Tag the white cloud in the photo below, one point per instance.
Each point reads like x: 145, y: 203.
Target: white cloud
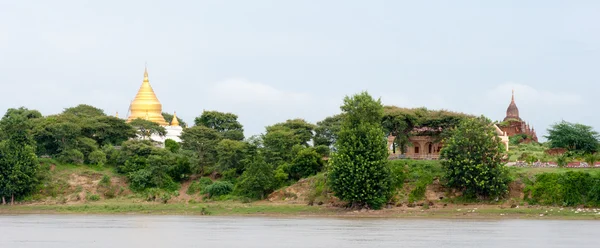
x: 531, y: 96
x: 242, y: 91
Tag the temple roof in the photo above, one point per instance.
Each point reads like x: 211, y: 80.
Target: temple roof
x: 146, y: 104
x: 512, y: 112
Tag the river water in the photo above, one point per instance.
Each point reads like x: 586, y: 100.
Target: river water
x: 67, y: 231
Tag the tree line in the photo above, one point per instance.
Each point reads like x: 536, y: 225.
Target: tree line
x: 351, y: 147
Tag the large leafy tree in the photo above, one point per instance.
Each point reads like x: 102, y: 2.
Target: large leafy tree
x: 281, y: 140
x: 302, y: 130
x: 326, y: 131
x: 472, y: 159
x: 257, y: 180
x: 203, y: 141
x: 18, y: 162
x: 84, y: 111
x: 147, y: 128
x: 225, y: 123
x: 359, y: 173
x: 574, y: 137
x: 306, y: 163
x: 107, y: 130
x: 278, y: 144
x: 230, y: 154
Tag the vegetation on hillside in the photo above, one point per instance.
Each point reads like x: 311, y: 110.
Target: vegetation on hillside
x: 344, y: 156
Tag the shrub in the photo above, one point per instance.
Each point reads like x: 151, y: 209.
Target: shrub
x: 473, y: 160
x: 72, y: 156
x: 105, y: 181
x: 306, y: 163
x: 197, y: 186
x: 257, y: 180
x: 218, y: 188
x: 93, y: 197
x: 156, y: 194
x: 318, y: 192
x: 567, y: 189
x: 97, y: 157
x: 172, y: 145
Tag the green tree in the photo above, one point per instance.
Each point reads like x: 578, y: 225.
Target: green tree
x: 84, y: 111
x: 230, y: 154
x: 574, y: 137
x: 302, y: 130
x: 225, y: 123
x: 203, y: 141
x: 169, y: 117
x: 326, y: 131
x: 359, y: 173
x: 148, y: 128
x: 278, y: 144
x: 172, y: 145
x: 107, y: 130
x: 472, y: 159
x: 18, y: 162
x: 306, y: 163
x: 53, y: 135
x: 257, y: 180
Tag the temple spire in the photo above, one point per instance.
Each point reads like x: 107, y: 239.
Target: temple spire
x: 117, y: 114
x: 513, y: 95
x: 146, y: 74
x: 174, y: 121
x: 146, y: 104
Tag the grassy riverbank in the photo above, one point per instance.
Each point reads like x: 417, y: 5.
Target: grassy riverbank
x: 450, y: 211
x: 79, y: 190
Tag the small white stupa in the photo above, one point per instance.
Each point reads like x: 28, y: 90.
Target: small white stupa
x: 173, y: 131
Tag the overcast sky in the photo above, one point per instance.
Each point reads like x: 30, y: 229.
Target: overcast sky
x: 268, y: 61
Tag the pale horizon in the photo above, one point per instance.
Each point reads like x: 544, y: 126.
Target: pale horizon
x: 269, y: 61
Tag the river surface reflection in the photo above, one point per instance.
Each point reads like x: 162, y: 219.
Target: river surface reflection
x: 67, y: 231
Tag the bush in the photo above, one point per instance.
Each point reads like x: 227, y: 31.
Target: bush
x: 218, y: 188
x: 72, y: 156
x: 306, y: 163
x: 172, y: 145
x: 197, y: 186
x: 156, y: 194
x: 97, y: 157
x: 568, y: 189
x: 418, y: 192
x: 257, y: 180
x: 472, y: 159
x: 93, y: 197
x: 397, y: 175
x: 105, y: 181
x: 319, y: 189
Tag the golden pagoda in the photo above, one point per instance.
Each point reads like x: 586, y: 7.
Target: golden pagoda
x: 174, y: 122
x: 146, y: 105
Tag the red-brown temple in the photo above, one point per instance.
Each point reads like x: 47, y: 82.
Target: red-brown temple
x: 513, y: 124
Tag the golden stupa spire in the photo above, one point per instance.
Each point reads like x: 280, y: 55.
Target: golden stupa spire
x: 175, y: 122
x: 146, y: 104
x: 117, y: 114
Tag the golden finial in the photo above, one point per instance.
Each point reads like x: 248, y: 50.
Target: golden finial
x: 117, y: 114
x: 175, y: 122
x: 146, y: 104
x: 146, y: 74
